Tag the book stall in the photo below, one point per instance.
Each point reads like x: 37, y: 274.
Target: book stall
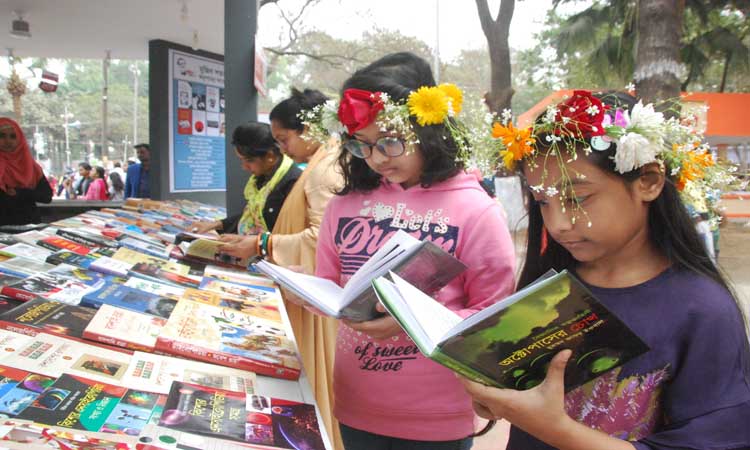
x: 117, y: 332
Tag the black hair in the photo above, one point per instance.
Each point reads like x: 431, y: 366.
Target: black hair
x: 117, y: 183
x: 142, y: 145
x: 84, y: 165
x: 117, y: 164
x: 254, y: 139
x: 398, y: 75
x: 287, y: 112
x: 99, y: 171
x: 670, y: 226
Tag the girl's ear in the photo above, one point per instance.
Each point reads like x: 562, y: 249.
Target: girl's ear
x: 651, y: 182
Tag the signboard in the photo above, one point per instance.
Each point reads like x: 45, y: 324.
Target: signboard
x: 197, y: 160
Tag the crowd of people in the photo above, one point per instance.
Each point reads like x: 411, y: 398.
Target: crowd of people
x: 604, y: 206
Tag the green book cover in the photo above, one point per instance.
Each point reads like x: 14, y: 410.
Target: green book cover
x: 510, y: 343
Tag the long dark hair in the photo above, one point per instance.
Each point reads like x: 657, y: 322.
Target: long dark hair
x: 117, y: 183
x: 286, y: 113
x: 671, y: 229
x: 398, y: 75
x: 254, y: 139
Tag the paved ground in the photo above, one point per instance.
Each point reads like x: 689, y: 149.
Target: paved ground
x: 734, y: 259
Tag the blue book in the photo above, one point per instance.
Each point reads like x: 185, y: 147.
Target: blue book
x: 129, y: 298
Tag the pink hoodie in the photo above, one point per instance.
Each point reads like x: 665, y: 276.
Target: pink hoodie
x: 388, y: 387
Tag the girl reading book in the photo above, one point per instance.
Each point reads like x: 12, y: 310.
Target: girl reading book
x: 606, y: 176
x: 403, y: 170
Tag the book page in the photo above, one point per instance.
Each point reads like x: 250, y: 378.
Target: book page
x: 434, y: 318
x: 391, y: 252
x: 322, y: 293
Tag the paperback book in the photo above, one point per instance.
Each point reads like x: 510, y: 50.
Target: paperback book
x: 84, y: 404
x: 19, y: 389
x: 230, y: 338
x: 204, y: 248
x: 129, y: 298
x: 56, y: 243
x: 27, y: 251
x: 423, y: 263
x: 155, y: 373
x: 124, y: 328
x: 264, y: 310
x: 509, y: 344
x: 252, y: 419
x: 49, y: 316
x: 24, y: 267
x: 155, y: 273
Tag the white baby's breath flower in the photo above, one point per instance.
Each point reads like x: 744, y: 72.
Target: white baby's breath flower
x: 549, y: 116
x: 592, y: 110
x: 506, y: 115
x: 551, y: 191
x: 630, y: 87
x: 538, y: 188
x: 634, y: 151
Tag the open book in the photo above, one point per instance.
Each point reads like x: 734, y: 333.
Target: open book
x: 423, y: 263
x: 509, y: 344
x: 204, y: 248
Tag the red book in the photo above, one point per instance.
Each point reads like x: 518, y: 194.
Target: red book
x: 229, y: 338
x: 56, y: 243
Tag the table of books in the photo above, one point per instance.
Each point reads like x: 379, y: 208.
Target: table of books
x: 113, y: 336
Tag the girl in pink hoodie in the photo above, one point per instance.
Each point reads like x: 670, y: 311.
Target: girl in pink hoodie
x: 403, y: 175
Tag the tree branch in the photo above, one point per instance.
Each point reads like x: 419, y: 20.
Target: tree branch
x: 332, y: 59
x: 265, y: 2
x: 485, y: 17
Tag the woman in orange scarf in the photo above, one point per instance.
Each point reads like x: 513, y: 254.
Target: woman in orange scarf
x: 22, y: 182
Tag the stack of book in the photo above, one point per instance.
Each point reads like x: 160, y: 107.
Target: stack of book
x: 108, y: 326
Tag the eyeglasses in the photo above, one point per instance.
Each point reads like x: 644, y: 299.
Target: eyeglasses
x: 388, y: 146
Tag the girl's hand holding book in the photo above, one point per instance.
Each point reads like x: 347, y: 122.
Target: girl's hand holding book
x: 381, y: 328
x: 538, y: 411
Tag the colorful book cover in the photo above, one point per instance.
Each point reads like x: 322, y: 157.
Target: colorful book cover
x: 52, y: 355
x: 237, y: 276
x: 54, y: 284
x: 71, y: 258
x: 155, y: 273
x: 111, y: 266
x: 252, y: 419
x: 509, y: 344
x: 24, y: 267
x: 85, y: 238
x: 230, y: 338
x: 84, y: 404
x: 50, y: 316
x: 155, y: 373
x: 156, y: 288
x: 56, y: 243
x: 264, y: 310
x: 88, y: 277
x: 260, y: 294
x: 129, y: 298
x: 124, y: 328
x: 27, y: 251
x: 157, y: 251
x: 19, y: 389
x: 133, y: 257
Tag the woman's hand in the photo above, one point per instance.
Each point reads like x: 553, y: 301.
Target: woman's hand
x: 205, y: 227
x: 381, y: 328
x: 538, y: 411
x: 239, y: 246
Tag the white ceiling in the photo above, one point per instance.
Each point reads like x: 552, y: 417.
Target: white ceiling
x: 88, y: 28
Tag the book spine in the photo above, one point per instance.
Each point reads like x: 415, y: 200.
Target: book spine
x: 171, y: 347
x: 18, y: 328
x: 96, y: 337
x: 83, y: 240
x: 462, y: 369
x: 18, y: 294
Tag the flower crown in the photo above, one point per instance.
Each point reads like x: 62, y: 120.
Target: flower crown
x: 641, y: 136
x: 428, y: 105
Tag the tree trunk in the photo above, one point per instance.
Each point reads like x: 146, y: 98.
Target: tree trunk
x: 658, y: 68
x: 725, y: 72
x: 496, y: 31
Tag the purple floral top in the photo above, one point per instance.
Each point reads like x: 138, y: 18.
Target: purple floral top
x: 691, y: 391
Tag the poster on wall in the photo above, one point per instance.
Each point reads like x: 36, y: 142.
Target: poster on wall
x: 197, y: 159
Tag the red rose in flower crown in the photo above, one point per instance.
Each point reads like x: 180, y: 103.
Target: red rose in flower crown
x: 581, y: 115
x: 359, y: 108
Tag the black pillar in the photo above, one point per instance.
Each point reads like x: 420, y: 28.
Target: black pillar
x: 241, y: 97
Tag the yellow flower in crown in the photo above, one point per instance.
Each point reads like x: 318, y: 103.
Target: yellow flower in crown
x: 455, y: 96
x: 517, y: 141
x: 429, y: 105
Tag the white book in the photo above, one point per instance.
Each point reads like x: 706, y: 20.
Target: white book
x: 421, y: 262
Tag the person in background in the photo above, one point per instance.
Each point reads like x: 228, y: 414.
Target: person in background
x: 22, y: 182
x: 79, y: 188
x: 295, y: 236
x: 117, y: 168
x: 137, y: 180
x: 116, y: 186
x: 98, y: 188
x: 272, y: 177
